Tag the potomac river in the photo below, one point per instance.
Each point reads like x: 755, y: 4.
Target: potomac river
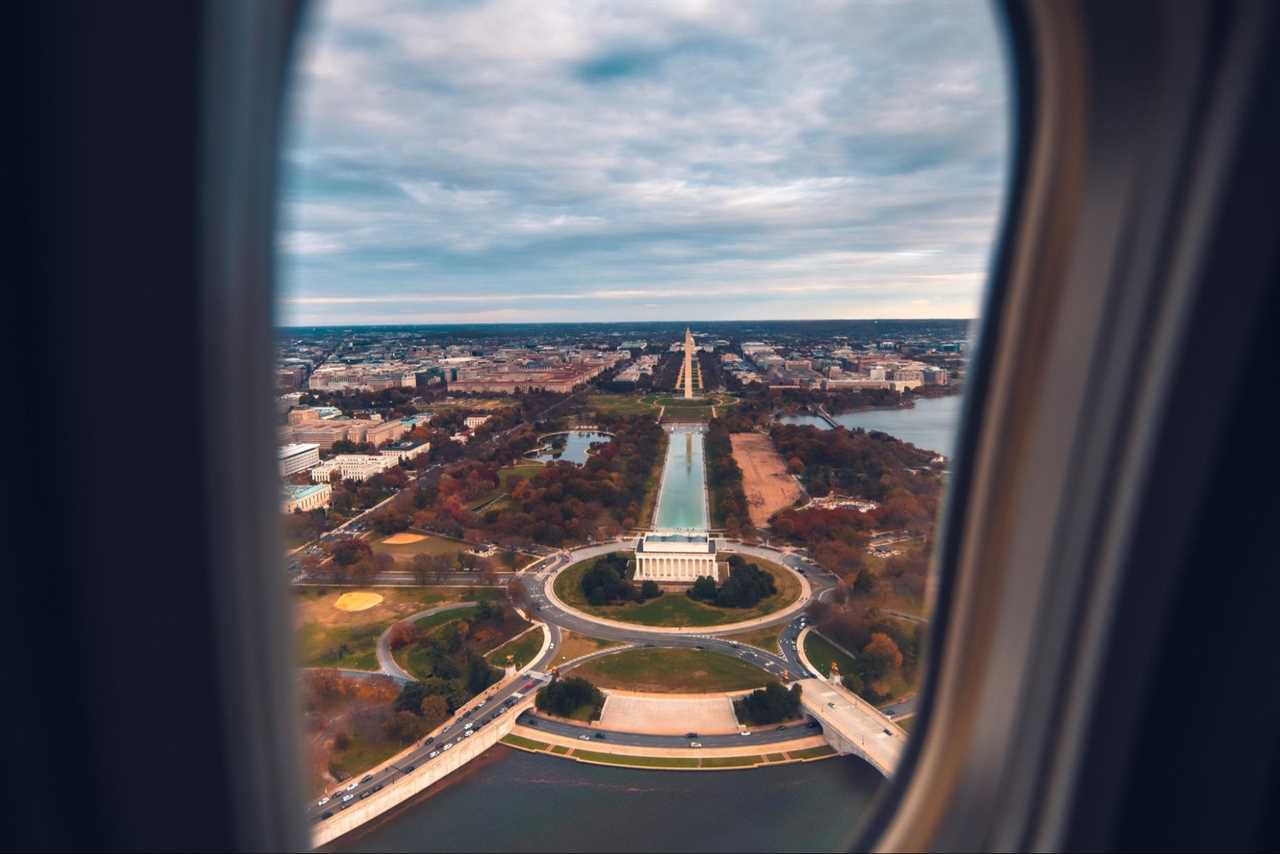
x: 509, y: 800
x: 931, y: 424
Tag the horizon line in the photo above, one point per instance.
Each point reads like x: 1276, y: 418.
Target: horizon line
x: 627, y: 322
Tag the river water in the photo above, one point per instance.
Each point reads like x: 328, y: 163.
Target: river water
x: 930, y: 424
x: 509, y: 800
x: 682, y: 501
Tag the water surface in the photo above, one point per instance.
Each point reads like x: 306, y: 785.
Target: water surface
x: 682, y: 500
x: 931, y: 424
x: 576, y: 446
x: 517, y: 801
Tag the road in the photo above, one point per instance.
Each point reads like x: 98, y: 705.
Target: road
x: 784, y: 663
x: 770, y: 735
x: 476, y: 714
x: 386, y: 661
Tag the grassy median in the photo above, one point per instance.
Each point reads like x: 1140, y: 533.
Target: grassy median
x: 675, y: 609
x: 673, y: 671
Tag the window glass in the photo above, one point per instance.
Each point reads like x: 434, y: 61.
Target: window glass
x: 620, y: 354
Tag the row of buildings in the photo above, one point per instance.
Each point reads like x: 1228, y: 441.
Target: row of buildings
x: 841, y: 368
x: 298, y: 457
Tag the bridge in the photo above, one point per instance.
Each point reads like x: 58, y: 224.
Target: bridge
x: 852, y: 725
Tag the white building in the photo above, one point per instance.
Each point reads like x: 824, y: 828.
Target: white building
x: 305, y: 498
x: 474, y: 421
x: 400, y: 453
x: 298, y: 457
x: 353, y: 467
x: 668, y: 556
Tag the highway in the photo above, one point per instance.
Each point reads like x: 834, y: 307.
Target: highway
x: 476, y: 714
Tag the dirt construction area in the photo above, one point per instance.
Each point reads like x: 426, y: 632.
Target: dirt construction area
x: 707, y: 714
x: 764, y: 477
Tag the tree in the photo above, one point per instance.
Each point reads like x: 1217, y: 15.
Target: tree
x: 564, y: 697
x: 650, y: 590
x: 434, y: 710
x: 771, y: 704
x: 422, y: 569
x: 347, y: 550
x: 518, y: 595
x: 880, y: 656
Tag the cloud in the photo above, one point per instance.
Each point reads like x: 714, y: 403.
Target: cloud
x: 713, y: 159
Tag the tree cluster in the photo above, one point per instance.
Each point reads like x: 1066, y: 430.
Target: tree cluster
x: 606, y: 582
x: 565, y: 697
x: 769, y: 705
x: 746, y: 585
x: 728, y: 498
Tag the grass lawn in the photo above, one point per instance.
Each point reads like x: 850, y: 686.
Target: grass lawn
x: 521, y: 649
x: 621, y: 404
x: 526, y: 743
x: 766, y: 639
x: 426, y: 624
x: 672, y: 670
x: 822, y: 652
x: 360, y: 755
x: 776, y: 757
x: 560, y: 749
x: 508, y: 476
x: 637, y: 761
x: 674, y: 608
x: 731, y: 761
x: 429, y: 545
x: 350, y: 647
x: 329, y: 637
x: 907, y: 723
x: 813, y: 753
x: 414, y: 658
x: 573, y: 645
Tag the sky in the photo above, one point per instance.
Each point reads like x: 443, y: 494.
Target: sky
x: 541, y: 161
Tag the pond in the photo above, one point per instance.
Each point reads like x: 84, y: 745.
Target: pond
x: 571, y: 447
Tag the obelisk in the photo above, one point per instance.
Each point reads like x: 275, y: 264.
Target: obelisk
x: 688, y: 363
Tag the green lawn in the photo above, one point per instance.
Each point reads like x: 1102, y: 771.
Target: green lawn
x: 812, y: 753
x: 508, y: 476
x: 776, y: 757
x: 522, y: 650
x: 426, y: 624
x: 350, y: 647
x: 821, y: 652
x: 672, y: 670
x: 362, y: 755
x: 560, y: 749
x: 731, y: 761
x: 907, y: 723
x: 636, y: 761
x: 674, y: 608
x: 766, y: 639
x: 432, y: 545
x: 526, y: 743
x: 621, y: 404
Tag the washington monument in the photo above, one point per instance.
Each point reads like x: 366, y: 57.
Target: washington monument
x: 688, y: 363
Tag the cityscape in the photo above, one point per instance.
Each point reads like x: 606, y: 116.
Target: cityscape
x: 616, y: 549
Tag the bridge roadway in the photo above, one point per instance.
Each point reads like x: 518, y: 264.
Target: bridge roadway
x: 852, y: 725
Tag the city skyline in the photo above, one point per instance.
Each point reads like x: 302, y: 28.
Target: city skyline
x: 709, y: 163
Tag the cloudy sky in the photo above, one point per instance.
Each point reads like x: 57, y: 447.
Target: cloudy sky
x: 542, y: 161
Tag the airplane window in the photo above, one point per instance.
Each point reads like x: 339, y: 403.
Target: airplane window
x: 620, y: 356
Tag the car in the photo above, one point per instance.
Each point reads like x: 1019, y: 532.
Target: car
x: 447, y: 745
x: 812, y: 725
x: 599, y: 735
x: 433, y: 754
x: 347, y: 798
x: 469, y: 733
x: 431, y: 740
x: 350, y: 786
x: 469, y: 725
x: 699, y: 646
x: 326, y: 814
x: 695, y: 744
x: 407, y: 769
x: 584, y: 737
x: 886, y: 732
x: 690, y: 735
x: 377, y: 788
x: 531, y: 722
x: 366, y: 793
x: 779, y: 728
x: 467, y: 713
x: 744, y: 732
x: 322, y: 801
x: 366, y: 778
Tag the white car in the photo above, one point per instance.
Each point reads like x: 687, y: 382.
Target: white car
x: 447, y: 745
x: 744, y: 732
x: 469, y: 725
x: 584, y: 738
x: 695, y: 744
x: 347, y: 798
x: 468, y: 733
x: 433, y: 754
x: 350, y: 787
x: 322, y: 801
